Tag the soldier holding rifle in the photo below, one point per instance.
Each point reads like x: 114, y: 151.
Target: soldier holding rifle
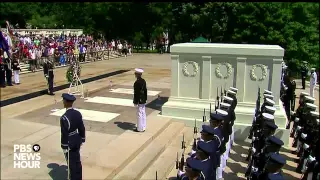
x: 272, y: 169
x: 72, y: 137
x: 309, y: 137
x: 295, y: 117
x: 194, y: 167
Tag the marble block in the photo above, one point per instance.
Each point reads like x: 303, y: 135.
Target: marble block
x: 201, y: 70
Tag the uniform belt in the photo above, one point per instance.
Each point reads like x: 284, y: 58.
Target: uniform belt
x: 73, y: 133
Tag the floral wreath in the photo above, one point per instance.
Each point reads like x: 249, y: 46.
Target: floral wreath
x: 69, y: 74
x: 264, y: 72
x: 229, y: 70
x: 195, y: 69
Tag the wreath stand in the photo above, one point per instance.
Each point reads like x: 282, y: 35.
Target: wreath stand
x: 76, y: 86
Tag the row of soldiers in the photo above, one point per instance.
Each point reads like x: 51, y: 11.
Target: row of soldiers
x: 305, y: 133
x: 264, y: 159
x: 210, y: 153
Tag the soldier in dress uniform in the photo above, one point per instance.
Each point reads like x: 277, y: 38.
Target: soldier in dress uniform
x: 72, y: 137
x: 304, y: 72
x: 233, y: 94
x: 48, y: 74
x: 295, y: 117
x: 140, y: 99
x: 273, y: 145
x: 309, y: 138
x: 301, y: 124
x: 272, y: 170
x: 313, y: 81
x: 7, y: 68
x: 2, y: 70
x: 218, y: 143
x: 193, y: 169
x: 203, y: 153
x: 212, y: 134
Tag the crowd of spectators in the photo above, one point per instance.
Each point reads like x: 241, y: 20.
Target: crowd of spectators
x: 62, y: 49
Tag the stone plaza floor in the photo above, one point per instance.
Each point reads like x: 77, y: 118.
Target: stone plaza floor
x: 111, y: 147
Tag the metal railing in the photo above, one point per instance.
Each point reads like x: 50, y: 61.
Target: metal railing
x: 86, y: 57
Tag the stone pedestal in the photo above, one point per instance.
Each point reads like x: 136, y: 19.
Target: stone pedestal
x: 201, y: 70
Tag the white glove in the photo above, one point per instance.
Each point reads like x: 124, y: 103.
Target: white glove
x: 192, y: 152
x: 180, y: 173
x: 311, y: 158
x: 305, y: 146
x: 253, y: 138
x: 304, y: 136
x: 296, y: 119
x: 65, y: 150
x: 292, y: 113
x: 253, y: 150
x: 298, y: 127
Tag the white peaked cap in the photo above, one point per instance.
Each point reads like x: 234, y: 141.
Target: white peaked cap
x: 311, y: 106
x: 228, y: 98
x: 233, y: 89
x: 267, y: 91
x: 231, y: 92
x: 225, y: 105
x: 268, y: 96
x: 270, y: 108
x: 309, y: 98
x: 304, y: 93
x: 222, y: 112
x: 268, y: 116
x: 139, y: 70
x: 314, y: 114
x: 318, y: 121
x: 313, y: 69
x: 285, y: 66
x: 269, y: 101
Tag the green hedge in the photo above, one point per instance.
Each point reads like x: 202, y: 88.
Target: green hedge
x: 144, y: 51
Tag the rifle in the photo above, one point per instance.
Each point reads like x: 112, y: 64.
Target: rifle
x: 204, y: 118
x: 221, y: 94
x: 210, y: 108
x: 177, y: 161
x: 156, y: 175
x: 183, y: 146
x: 217, y: 100
x: 195, y: 131
x: 224, y: 90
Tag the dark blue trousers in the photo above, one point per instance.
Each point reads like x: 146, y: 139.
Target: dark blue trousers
x: 75, y: 165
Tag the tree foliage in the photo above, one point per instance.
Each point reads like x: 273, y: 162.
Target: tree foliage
x: 294, y: 26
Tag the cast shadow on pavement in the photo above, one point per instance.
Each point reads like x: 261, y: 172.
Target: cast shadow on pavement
x: 157, y: 103
x: 125, y: 125
x: 58, y: 172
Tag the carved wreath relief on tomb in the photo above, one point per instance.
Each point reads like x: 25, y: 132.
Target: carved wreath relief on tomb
x: 229, y: 70
x: 195, y: 67
x: 253, y: 72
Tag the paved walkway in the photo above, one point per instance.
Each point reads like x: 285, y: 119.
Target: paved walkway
x: 33, y: 82
x: 109, y: 118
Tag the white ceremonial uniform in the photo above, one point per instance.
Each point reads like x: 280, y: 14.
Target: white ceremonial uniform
x: 140, y: 98
x: 313, y: 82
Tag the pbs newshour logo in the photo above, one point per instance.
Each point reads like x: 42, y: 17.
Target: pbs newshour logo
x: 26, y: 156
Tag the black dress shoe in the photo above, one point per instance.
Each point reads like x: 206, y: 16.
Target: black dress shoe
x: 10, y: 85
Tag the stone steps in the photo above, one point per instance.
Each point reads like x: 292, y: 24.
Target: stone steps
x: 167, y: 160
x: 117, y: 154
x: 136, y: 168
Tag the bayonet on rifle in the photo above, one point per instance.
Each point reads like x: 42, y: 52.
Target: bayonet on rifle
x: 204, y: 115
x: 210, y: 108
x: 221, y: 94
x: 177, y: 161
x: 156, y: 175
x: 195, y: 131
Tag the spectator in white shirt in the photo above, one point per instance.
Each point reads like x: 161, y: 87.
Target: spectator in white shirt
x: 32, y: 54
